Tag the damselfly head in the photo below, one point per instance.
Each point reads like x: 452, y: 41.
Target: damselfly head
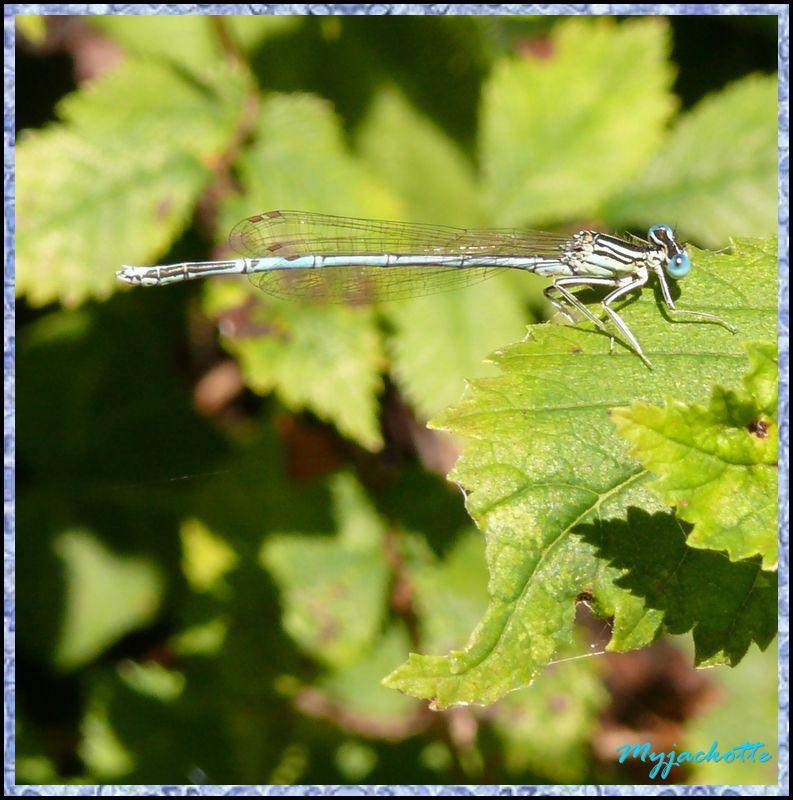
x: 678, y: 263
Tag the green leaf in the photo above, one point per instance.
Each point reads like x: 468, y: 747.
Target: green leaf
x: 419, y: 162
x: 727, y: 604
x: 716, y: 176
x: 325, y: 359
x: 206, y: 558
x: 106, y: 597
x: 189, y: 40
x: 356, y: 694
x: 299, y: 159
x: 193, y: 41
x: 441, y: 341
x: 717, y: 464
x: 334, y: 590
x: 449, y: 594
x: 544, y: 459
x: 116, y: 183
x: 559, y: 135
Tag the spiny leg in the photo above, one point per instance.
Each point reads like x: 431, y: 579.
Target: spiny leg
x: 560, y: 286
x: 696, y: 314
x: 619, y: 322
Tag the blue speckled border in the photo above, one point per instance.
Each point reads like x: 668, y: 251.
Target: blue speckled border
x: 10, y: 11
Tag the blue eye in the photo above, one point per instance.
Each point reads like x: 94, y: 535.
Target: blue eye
x: 679, y: 265
x: 665, y: 228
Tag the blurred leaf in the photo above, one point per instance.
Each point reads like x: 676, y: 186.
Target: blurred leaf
x: 544, y: 459
x: 357, y: 699
x: 559, y: 135
x: 549, y: 727
x: 185, y: 39
x: 190, y: 40
x: 206, y: 558
x: 115, y: 184
x: 450, y: 594
x: 717, y: 465
x: 32, y: 26
x: 106, y: 597
x: 355, y: 761
x: 104, y: 755
x: 727, y: 604
x: 333, y: 589
x: 438, y: 61
x: 419, y: 162
x: 299, y: 160
x: 716, y: 176
x: 153, y: 680
x: 251, y: 31
x: 441, y: 341
x: 750, y: 702
x: 326, y: 359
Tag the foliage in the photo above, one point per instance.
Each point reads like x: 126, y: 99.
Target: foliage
x: 718, y: 464
x: 544, y: 459
x: 224, y: 586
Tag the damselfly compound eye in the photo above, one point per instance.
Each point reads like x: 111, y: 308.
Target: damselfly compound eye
x: 678, y: 266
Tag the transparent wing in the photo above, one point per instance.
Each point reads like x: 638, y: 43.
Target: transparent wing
x: 363, y: 285
x: 290, y: 234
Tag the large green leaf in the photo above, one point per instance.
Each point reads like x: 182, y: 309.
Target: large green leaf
x: 716, y: 175
x: 717, y: 464
x: 544, y: 459
x: 560, y: 134
x: 116, y: 182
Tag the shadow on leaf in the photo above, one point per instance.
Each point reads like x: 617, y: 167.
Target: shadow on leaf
x: 727, y: 604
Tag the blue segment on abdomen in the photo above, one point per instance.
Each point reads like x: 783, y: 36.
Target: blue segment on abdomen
x: 541, y: 265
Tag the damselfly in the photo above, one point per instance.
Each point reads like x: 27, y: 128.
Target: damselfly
x: 340, y: 259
